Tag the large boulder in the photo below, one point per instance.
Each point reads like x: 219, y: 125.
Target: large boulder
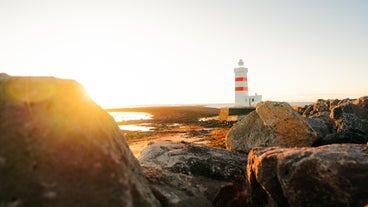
x: 247, y: 133
x: 331, y: 175
x: 185, y: 174
x: 272, y: 124
x: 58, y: 148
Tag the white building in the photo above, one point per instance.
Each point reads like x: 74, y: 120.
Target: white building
x: 241, y: 87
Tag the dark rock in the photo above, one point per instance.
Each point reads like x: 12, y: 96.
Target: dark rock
x: 355, y: 137
x: 349, y: 117
x: 58, y: 148
x: 322, y: 124
x: 307, y: 111
x: 314, y: 109
x: 182, y: 172
x: 333, y: 103
x: 176, y: 189
x: 337, y: 121
x: 332, y: 175
x: 362, y: 102
x: 273, y: 124
x: 231, y: 195
x: 321, y: 106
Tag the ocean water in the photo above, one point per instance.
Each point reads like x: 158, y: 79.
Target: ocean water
x: 129, y: 116
x: 136, y: 127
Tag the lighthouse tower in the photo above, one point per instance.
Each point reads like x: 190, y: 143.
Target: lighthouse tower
x: 241, y: 87
x: 241, y: 84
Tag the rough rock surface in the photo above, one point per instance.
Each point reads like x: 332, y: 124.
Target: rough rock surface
x: 248, y: 132
x: 322, y: 124
x: 331, y: 175
x: 350, y: 117
x: 338, y: 121
x: 272, y: 124
x: 184, y: 174
x: 58, y: 148
x: 355, y: 137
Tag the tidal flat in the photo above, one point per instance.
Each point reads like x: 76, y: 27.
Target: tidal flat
x: 175, y: 123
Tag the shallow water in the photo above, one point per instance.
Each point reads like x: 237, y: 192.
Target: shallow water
x: 229, y: 118
x: 128, y: 116
x: 134, y: 127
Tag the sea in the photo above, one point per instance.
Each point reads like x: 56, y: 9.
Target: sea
x: 128, y: 116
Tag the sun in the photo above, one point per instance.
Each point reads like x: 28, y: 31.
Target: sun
x: 101, y: 93
x: 112, y: 93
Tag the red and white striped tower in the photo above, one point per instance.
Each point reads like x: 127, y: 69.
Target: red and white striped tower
x: 241, y: 85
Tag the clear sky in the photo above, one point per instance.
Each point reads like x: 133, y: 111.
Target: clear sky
x: 183, y: 52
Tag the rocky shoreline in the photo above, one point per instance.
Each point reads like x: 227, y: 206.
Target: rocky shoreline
x: 177, y: 123
x: 58, y: 148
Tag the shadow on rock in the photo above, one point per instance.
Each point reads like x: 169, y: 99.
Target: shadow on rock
x: 182, y: 172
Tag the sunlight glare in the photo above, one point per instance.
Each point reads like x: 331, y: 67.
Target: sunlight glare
x: 104, y: 92
x: 29, y: 90
x: 128, y: 116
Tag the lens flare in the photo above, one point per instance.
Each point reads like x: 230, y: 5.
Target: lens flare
x: 29, y: 90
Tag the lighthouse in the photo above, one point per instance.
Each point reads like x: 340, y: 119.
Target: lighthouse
x: 241, y: 87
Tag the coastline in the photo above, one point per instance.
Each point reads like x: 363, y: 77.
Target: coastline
x: 171, y: 114
x: 176, y: 123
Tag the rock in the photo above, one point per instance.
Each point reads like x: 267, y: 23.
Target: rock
x: 289, y: 128
x: 362, y: 102
x: 333, y: 103
x: 58, y: 148
x: 175, y: 189
x: 355, y: 137
x: 335, y: 120
x: 331, y: 175
x: 320, y: 106
x: 181, y: 173
x: 247, y: 133
x: 308, y: 111
x: 322, y: 124
x: 273, y: 124
x: 350, y: 117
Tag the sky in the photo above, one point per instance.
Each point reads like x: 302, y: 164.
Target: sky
x: 143, y: 52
